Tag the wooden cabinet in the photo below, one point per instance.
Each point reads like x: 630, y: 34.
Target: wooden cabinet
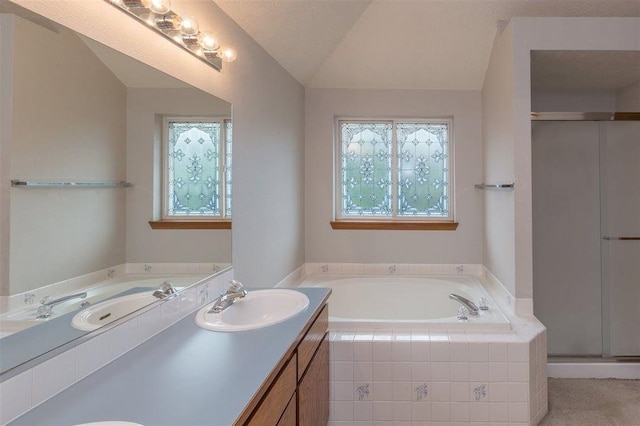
x: 299, y: 394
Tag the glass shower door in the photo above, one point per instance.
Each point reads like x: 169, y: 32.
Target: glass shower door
x: 620, y: 229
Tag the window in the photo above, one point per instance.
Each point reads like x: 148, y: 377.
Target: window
x: 197, y: 171
x: 394, y: 170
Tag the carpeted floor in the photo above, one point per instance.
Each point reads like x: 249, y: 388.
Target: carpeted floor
x: 593, y: 402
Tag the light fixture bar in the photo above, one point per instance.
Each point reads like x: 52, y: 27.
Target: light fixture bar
x: 180, y: 30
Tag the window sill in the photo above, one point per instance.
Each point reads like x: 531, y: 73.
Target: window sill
x: 394, y: 225
x: 190, y: 224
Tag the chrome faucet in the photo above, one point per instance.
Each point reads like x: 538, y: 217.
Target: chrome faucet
x: 473, y: 309
x: 227, y: 299
x: 46, y: 304
x: 165, y: 290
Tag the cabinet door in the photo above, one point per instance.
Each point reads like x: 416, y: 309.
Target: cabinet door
x: 313, y: 390
x: 290, y: 414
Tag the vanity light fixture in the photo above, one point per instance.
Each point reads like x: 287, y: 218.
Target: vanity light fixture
x: 182, y: 30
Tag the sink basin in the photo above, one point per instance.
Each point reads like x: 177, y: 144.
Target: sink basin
x: 108, y: 311
x: 259, y: 308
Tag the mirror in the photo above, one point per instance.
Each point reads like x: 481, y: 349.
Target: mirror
x: 82, y: 112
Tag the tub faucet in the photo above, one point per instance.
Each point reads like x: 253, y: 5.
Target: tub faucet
x: 165, y: 290
x: 473, y: 309
x: 227, y: 299
x: 46, y: 304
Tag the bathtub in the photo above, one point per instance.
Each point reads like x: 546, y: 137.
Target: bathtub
x: 405, y: 301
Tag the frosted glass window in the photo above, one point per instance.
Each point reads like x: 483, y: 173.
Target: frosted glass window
x: 198, y: 168
x: 393, y: 169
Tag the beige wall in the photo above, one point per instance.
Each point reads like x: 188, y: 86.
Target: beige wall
x: 144, y: 110
x: 268, y: 113
x: 326, y: 245
x: 68, y: 124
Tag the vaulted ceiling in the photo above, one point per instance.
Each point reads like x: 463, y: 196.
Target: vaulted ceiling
x: 395, y: 44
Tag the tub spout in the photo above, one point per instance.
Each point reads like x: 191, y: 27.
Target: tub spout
x: 473, y: 309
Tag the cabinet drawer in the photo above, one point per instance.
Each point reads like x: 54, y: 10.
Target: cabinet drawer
x: 275, y: 401
x: 312, y: 339
x: 313, y: 390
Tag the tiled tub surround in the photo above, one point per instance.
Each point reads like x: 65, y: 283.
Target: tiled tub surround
x: 437, y: 376
x: 29, y: 388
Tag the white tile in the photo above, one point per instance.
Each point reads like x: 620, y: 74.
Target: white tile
x: 401, y: 412
x: 440, y: 351
x: 420, y: 412
x: 518, y: 372
x: 478, y: 371
x: 342, y: 370
x: 363, y: 371
x: 459, y: 411
x: 459, y: 391
x: 459, y: 372
x: 188, y: 301
x: 149, y: 323
x: 170, y: 311
x: 362, y: 351
x: 519, y: 352
x: 499, y: 371
x: 499, y: 392
x: 342, y: 350
x: 440, y: 412
x: 401, y: 371
x: 518, y: 412
x: 343, y: 410
x: 52, y: 376
x: 123, y: 338
x: 401, y: 391
x: 383, y: 411
x: 382, y: 371
x: 440, y: 392
x: 478, y: 411
x: 499, y: 411
x: 478, y: 352
x: 459, y: 351
x: 15, y: 396
x: 92, y: 355
x: 420, y: 371
x: 401, y: 350
x: 440, y: 371
x: 420, y: 350
x: 382, y: 350
x: 382, y: 391
x: 343, y: 391
x: 362, y: 410
x: 203, y: 295
x: 498, y: 351
x: 518, y: 392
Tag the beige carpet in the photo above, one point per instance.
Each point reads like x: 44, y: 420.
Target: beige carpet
x: 593, y: 402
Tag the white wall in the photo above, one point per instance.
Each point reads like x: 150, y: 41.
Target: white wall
x: 68, y: 124
x: 268, y: 113
x: 573, y: 101
x: 498, y: 165
x: 628, y: 98
x: 326, y: 245
x: 144, y: 145
x: 507, y: 130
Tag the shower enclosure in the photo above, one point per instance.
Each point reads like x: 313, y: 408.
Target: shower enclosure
x: 586, y: 232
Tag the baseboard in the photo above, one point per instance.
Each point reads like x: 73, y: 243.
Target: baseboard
x: 593, y: 370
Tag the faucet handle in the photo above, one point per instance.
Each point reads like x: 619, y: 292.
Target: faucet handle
x: 482, y: 304
x: 234, y: 286
x: 45, y: 300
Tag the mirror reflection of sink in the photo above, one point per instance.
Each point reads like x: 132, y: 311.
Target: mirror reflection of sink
x: 259, y: 308
x: 108, y: 311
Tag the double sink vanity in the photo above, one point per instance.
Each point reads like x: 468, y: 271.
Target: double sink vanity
x: 262, y: 361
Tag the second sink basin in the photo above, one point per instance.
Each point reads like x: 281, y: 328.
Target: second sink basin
x: 108, y: 311
x: 259, y: 308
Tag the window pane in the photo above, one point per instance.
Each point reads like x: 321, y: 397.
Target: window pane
x: 423, y: 178
x: 366, y: 179
x: 193, y: 169
x: 227, y: 170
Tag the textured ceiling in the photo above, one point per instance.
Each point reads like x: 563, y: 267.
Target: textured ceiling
x: 394, y: 44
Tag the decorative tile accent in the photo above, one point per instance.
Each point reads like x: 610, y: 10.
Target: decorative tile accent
x: 362, y: 392
x: 480, y: 392
x: 422, y: 391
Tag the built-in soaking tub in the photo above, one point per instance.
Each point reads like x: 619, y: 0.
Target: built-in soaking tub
x: 395, y: 301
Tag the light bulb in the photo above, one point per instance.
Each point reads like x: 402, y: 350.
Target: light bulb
x: 228, y: 54
x: 158, y: 6
x: 189, y: 26
x: 208, y: 41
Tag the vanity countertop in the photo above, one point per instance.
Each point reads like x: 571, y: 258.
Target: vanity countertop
x: 183, y: 376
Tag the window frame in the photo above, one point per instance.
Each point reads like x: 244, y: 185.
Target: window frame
x: 187, y: 221
x: 395, y: 221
